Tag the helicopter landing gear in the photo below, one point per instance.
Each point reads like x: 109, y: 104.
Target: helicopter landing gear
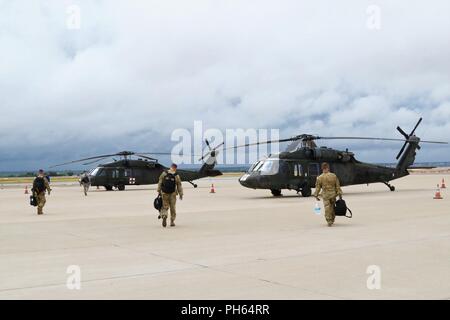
x: 193, y: 184
x: 108, y: 188
x: 121, y: 187
x: 391, y: 187
x: 276, y: 192
x: 306, y: 191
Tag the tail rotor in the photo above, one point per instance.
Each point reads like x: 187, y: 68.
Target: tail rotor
x: 213, y: 152
x: 407, y: 138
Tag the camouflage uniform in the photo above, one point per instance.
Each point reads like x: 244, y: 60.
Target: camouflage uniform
x: 40, y: 196
x: 331, y: 188
x: 170, y: 199
x: 85, y: 182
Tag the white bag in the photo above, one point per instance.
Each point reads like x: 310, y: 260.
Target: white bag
x: 317, y: 208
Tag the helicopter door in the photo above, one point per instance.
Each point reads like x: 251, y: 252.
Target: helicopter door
x: 298, y: 170
x: 296, y: 175
x: 313, y: 172
x: 129, y: 177
x: 119, y: 176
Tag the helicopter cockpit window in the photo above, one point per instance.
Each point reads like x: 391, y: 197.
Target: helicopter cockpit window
x: 253, y: 166
x: 94, y: 172
x: 257, y: 166
x: 269, y: 167
x: 298, y: 170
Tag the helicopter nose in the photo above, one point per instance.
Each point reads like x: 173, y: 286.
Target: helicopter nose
x: 246, y: 181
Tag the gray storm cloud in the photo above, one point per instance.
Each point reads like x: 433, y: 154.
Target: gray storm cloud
x: 136, y: 70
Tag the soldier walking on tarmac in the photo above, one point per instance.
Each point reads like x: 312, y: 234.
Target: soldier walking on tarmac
x: 40, y: 185
x: 85, y: 181
x: 169, y: 186
x: 329, y: 184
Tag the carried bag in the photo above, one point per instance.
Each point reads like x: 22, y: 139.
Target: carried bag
x: 158, y: 203
x: 33, y: 201
x: 340, y: 209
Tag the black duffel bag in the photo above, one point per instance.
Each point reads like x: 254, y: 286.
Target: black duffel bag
x: 33, y: 200
x: 340, y: 209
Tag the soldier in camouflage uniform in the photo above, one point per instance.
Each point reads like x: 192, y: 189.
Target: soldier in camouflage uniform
x: 329, y: 184
x: 85, y: 181
x: 169, y: 186
x: 40, y: 185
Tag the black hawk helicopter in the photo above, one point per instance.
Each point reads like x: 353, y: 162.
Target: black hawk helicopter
x: 141, y: 171
x: 299, y: 165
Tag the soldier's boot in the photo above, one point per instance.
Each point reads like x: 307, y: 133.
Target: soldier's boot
x: 330, y: 223
x: 172, y: 223
x: 39, y: 211
x: 164, y: 222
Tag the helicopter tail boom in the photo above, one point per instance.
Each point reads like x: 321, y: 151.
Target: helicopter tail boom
x: 207, y: 169
x: 407, y: 156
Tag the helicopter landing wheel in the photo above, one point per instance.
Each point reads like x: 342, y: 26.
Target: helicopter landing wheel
x: 391, y: 187
x: 193, y: 184
x: 108, y: 188
x: 121, y: 187
x: 306, y: 192
x: 276, y: 192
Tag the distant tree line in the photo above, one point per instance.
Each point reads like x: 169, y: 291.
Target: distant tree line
x: 33, y: 174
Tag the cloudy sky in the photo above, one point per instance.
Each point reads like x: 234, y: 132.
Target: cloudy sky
x: 136, y: 70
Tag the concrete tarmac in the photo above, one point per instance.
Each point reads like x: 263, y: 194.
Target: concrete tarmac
x: 237, y: 243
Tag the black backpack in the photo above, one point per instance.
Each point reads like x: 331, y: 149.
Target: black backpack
x: 158, y: 203
x: 169, y: 183
x: 39, y: 185
x: 340, y: 209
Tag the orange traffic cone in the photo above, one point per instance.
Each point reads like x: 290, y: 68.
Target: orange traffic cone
x: 443, y: 184
x: 26, y: 190
x: 212, y: 189
x: 437, y: 195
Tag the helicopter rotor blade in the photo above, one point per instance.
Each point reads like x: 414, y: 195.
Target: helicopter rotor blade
x: 213, y: 152
x: 403, y: 133
x: 377, y: 139
x: 168, y: 154
x: 207, y: 143
x: 417, y: 124
x: 120, y: 154
x: 94, y: 161
x: 401, y: 150
x: 263, y: 142
x: 311, y: 138
x: 149, y: 158
x: 85, y: 159
x: 158, y: 153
